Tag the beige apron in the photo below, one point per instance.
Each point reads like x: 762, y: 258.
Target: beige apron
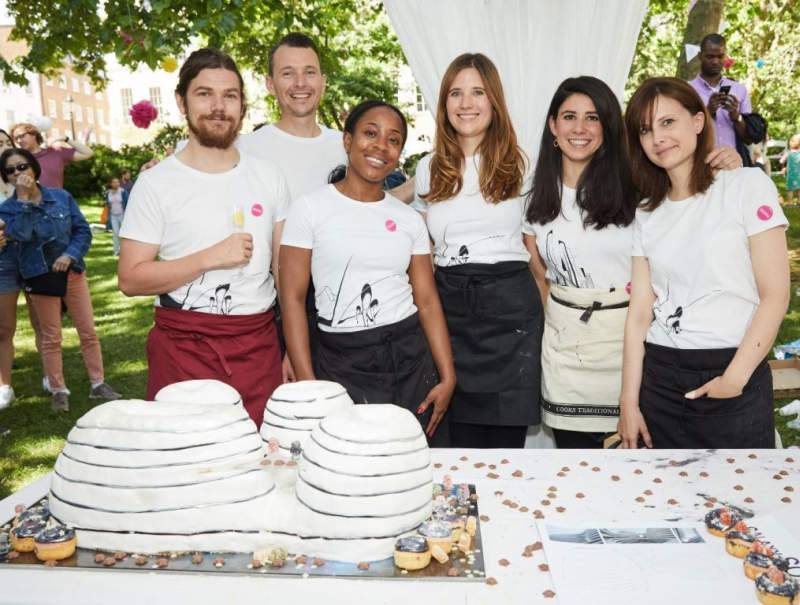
x: 582, y: 358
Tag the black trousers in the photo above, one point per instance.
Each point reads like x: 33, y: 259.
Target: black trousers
x: 570, y: 440
x: 487, y: 436
x: 746, y: 421
x: 387, y: 364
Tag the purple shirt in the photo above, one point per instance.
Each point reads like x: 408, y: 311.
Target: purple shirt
x: 52, y: 160
x: 723, y: 125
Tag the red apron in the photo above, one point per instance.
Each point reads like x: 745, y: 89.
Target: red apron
x: 240, y: 350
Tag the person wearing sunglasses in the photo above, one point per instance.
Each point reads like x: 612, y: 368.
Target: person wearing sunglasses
x: 53, y: 237
x: 52, y: 159
x: 9, y: 291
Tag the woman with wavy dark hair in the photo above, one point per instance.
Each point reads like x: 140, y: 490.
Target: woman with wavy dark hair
x: 709, y: 286
x: 469, y: 190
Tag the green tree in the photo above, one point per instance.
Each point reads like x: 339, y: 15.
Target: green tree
x: 763, y: 38
x: 360, y: 53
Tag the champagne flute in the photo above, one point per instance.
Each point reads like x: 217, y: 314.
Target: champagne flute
x: 237, y: 226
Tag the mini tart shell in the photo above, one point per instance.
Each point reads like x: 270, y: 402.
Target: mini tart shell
x: 737, y: 547
x: 771, y: 598
x: 55, y: 551
x: 753, y: 571
x: 412, y: 561
x: 717, y: 532
x: 21, y: 544
x: 443, y: 543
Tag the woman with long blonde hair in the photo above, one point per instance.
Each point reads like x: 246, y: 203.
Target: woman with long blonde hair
x: 470, y: 191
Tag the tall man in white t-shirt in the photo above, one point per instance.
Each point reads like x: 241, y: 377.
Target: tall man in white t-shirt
x: 201, y: 231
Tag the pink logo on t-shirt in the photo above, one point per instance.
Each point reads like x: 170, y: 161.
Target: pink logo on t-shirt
x: 764, y: 213
x: 628, y: 287
x: 390, y: 225
x: 257, y: 209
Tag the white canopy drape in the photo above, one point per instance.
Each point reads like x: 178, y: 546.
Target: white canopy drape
x: 535, y: 44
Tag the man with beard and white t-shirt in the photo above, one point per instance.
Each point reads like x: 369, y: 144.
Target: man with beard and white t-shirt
x: 201, y: 232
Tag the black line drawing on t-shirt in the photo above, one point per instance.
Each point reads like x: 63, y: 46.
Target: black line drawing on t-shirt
x: 672, y: 323
x: 362, y: 310
x: 463, y: 249
x: 216, y: 300
x: 565, y: 271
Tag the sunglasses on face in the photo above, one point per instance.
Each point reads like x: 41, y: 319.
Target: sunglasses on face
x: 9, y: 170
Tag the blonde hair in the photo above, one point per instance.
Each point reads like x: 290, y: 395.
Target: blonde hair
x: 794, y: 141
x: 502, y: 168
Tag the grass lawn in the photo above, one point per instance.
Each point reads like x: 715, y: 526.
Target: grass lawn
x: 37, y: 435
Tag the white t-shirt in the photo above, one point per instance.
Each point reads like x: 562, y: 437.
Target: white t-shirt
x: 699, y: 259
x: 306, y: 162
x: 184, y: 210
x: 466, y: 228
x: 360, y: 253
x: 582, y: 257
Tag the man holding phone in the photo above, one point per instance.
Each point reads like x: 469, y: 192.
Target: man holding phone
x: 725, y: 99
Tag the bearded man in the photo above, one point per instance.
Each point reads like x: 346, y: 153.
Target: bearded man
x: 201, y: 231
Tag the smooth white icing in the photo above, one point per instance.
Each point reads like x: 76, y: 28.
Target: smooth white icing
x: 173, y: 476
x: 204, y: 391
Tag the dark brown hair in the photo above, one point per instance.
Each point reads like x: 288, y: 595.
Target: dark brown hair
x: 502, y: 169
x: 651, y: 180
x: 29, y: 158
x: 207, y: 58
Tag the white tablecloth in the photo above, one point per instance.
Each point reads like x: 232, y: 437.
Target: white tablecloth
x: 610, y: 481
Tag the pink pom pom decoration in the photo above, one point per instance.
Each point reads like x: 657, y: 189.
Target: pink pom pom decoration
x: 143, y: 113
x: 728, y: 62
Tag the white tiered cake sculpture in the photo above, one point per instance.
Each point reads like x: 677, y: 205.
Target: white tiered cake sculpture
x: 295, y: 409
x: 149, y: 477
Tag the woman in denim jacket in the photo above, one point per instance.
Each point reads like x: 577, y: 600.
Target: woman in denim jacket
x: 53, y: 235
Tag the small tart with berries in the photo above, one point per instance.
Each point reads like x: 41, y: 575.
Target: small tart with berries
x: 760, y: 558
x: 721, y: 520
x: 739, y: 540
x: 776, y: 587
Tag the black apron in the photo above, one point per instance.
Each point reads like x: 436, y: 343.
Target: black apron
x: 494, y: 316
x: 388, y: 364
x: 673, y: 421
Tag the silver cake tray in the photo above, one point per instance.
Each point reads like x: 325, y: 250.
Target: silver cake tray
x: 470, y: 568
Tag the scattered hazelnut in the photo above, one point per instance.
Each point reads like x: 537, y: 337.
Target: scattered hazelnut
x: 536, y: 545
x: 785, y: 473
x: 615, y: 477
x: 318, y: 562
x: 498, y: 493
x: 140, y: 560
x: 517, y: 473
x: 278, y: 562
x: 551, y: 495
x: 544, y: 567
x: 504, y: 562
x: 279, y: 463
x: 708, y: 505
x: 437, y: 465
x: 739, y: 471
x: 565, y: 469
x: 363, y: 565
x: 473, y: 497
x: 560, y: 509
x: 109, y: 561
x: 527, y: 553
x: 640, y: 498
x: 648, y: 492
x: 596, y: 469
x: 749, y: 500
x: 580, y: 495
x: 552, y: 488
x: 538, y: 514
x: 731, y: 460
x: 484, y: 518
x: 504, y: 461
x: 490, y: 581
x: 291, y: 463
x: 777, y: 477
x: 14, y: 554
x: 50, y: 563
x: 548, y: 594
x: 120, y: 556
x: 453, y: 571
x: 657, y: 480
x: 523, y: 509
x: 672, y: 501
x: 673, y: 463
x: 454, y: 468
x: 99, y: 557
x: 163, y: 562
x: 266, y: 462
x: 584, y: 463
x: 257, y: 563
x: 561, y: 474
x: 197, y: 558
x: 683, y: 474
x: 492, y: 475
x: 545, y: 503
x: 513, y: 505
x: 752, y: 456
x: 790, y: 459
x: 703, y: 474
x: 738, y: 488
x: 788, y: 488
x: 463, y: 458
x: 301, y: 560
x: 479, y: 464
x: 786, y: 499
x: 638, y: 471
x: 492, y: 466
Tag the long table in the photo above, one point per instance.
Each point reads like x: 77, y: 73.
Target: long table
x: 564, y: 486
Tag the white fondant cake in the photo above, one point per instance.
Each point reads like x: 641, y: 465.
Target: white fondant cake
x: 169, y: 476
x: 295, y: 409
x: 199, y: 391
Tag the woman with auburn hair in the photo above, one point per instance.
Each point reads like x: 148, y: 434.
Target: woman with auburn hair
x: 709, y: 286
x: 469, y: 190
